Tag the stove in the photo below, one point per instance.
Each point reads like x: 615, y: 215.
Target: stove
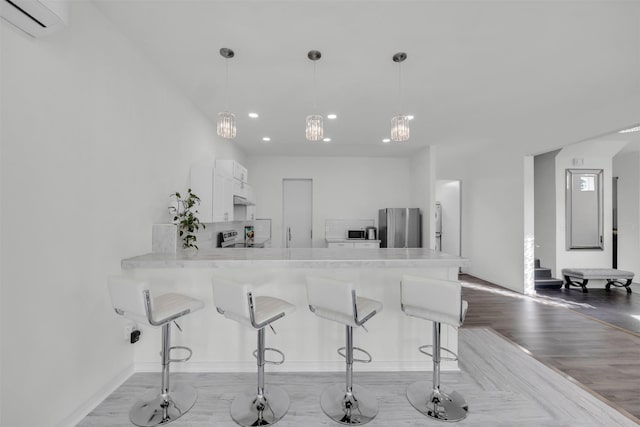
x: 229, y: 239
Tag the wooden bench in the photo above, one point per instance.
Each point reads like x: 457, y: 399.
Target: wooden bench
x: 619, y: 278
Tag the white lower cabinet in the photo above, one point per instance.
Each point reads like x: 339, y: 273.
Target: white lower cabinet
x: 372, y: 245
x: 339, y: 245
x: 356, y: 245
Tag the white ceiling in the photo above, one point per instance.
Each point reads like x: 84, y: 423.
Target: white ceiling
x: 477, y: 71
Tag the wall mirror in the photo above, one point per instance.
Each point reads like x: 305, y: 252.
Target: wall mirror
x: 584, y: 209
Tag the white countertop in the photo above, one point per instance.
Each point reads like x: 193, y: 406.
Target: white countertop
x: 297, y: 258
x: 344, y: 240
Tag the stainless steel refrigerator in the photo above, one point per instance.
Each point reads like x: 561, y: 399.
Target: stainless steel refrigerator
x: 399, y: 228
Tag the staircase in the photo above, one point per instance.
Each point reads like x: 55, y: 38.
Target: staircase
x: 543, y: 278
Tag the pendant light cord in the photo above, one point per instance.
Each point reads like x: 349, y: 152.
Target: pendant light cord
x: 399, y: 88
x: 226, y: 85
x: 315, y: 88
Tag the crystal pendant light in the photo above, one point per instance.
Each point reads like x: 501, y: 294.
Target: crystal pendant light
x: 314, y: 130
x: 399, y: 123
x: 227, y: 125
x: 399, y: 128
x: 227, y: 120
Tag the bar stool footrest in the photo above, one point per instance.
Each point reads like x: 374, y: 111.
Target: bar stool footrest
x: 179, y: 347
x: 453, y: 357
x: 342, y: 352
x: 271, y: 362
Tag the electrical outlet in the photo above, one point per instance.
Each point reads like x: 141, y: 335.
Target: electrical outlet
x: 128, y: 329
x: 131, y: 333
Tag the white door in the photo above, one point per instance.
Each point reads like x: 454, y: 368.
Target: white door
x: 448, y: 193
x: 296, y: 213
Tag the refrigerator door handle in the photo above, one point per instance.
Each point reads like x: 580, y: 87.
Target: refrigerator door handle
x: 406, y: 230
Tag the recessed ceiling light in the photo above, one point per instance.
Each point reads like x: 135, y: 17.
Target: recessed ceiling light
x: 410, y: 117
x: 254, y: 115
x: 386, y: 140
x: 266, y: 139
x: 326, y: 139
x: 633, y: 129
x: 331, y: 116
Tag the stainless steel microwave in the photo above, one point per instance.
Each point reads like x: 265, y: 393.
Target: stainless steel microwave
x: 355, y: 234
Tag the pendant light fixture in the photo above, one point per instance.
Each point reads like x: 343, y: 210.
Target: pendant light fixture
x: 399, y: 123
x: 314, y: 130
x: 227, y: 120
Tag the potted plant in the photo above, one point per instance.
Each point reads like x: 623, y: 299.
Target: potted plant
x: 184, y: 216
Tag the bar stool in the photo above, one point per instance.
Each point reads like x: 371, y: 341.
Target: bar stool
x: 236, y: 301
x: 336, y: 300
x: 132, y: 299
x: 441, y: 302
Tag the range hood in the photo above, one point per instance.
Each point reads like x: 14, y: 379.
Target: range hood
x: 239, y: 200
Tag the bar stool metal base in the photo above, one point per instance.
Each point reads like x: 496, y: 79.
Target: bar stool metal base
x: 249, y: 409
x: 438, y: 405
x: 153, y: 409
x: 358, y: 408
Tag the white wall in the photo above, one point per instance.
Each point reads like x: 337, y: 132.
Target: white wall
x: 545, y: 209
x: 626, y: 166
x: 593, y: 155
x: 343, y: 188
x: 422, y: 186
x: 492, y: 210
x: 94, y: 140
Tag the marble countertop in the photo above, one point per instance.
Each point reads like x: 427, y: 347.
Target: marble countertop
x: 297, y: 258
x: 345, y: 240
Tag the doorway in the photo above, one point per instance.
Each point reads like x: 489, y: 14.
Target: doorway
x: 297, y: 209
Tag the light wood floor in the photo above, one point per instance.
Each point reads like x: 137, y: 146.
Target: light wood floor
x: 502, y: 384
x: 603, y: 357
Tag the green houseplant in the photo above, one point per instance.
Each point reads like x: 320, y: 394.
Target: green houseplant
x: 184, y: 216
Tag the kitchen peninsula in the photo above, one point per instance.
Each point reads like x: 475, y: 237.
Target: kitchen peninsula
x: 309, y: 345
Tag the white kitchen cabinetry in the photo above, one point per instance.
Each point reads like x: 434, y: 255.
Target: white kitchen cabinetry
x: 371, y: 245
x: 251, y: 213
x: 233, y: 169
x: 355, y: 245
x: 222, y: 196
x: 340, y: 245
x: 240, y: 188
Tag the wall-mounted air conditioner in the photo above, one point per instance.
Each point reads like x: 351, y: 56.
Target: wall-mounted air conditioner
x: 35, y: 17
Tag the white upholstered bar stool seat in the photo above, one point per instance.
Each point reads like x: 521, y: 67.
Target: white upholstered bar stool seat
x: 337, y: 300
x: 132, y: 299
x: 236, y: 301
x: 439, y: 301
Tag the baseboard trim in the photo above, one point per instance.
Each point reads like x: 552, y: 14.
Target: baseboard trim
x: 337, y: 366
x: 98, y: 397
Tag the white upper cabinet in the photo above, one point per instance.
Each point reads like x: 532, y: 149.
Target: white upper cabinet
x: 240, y: 188
x: 234, y: 169
x: 222, y: 197
x: 216, y: 188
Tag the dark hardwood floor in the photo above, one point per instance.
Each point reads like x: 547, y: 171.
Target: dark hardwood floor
x: 601, y: 356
